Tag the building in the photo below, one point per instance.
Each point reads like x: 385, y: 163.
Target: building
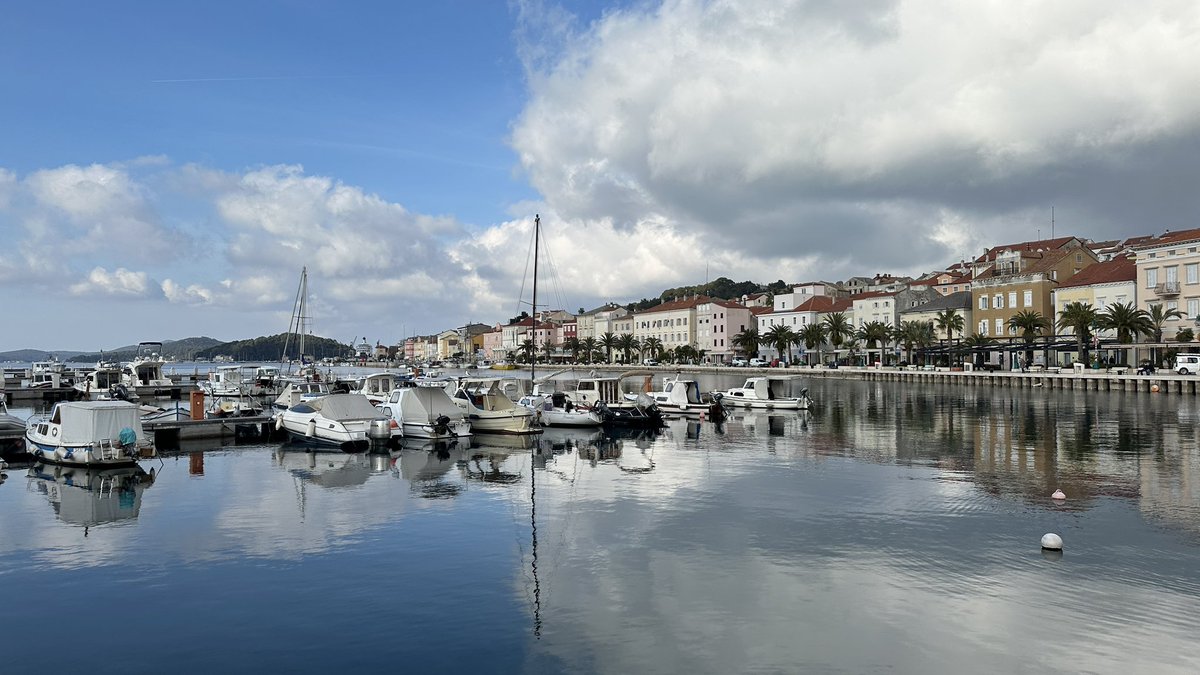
x: 1167, y: 274
x: 960, y: 302
x: 1102, y: 284
x: 672, y: 323
x: 586, y: 321
x: 717, y: 321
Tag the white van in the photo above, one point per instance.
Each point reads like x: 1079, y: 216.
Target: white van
x: 1187, y: 364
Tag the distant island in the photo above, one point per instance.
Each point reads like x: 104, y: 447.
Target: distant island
x: 266, y: 348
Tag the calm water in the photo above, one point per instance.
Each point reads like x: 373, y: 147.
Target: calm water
x: 893, y: 529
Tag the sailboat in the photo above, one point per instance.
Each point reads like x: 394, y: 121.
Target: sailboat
x: 305, y: 385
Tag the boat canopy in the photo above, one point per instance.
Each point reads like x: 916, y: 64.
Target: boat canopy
x: 423, y: 405
x: 89, y: 422
x: 342, y: 407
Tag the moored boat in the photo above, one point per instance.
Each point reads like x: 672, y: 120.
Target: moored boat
x: 761, y: 392
x: 682, y: 397
x: 426, y: 413
x: 91, y: 433
x: 489, y: 410
x: 556, y: 410
x: 344, y: 421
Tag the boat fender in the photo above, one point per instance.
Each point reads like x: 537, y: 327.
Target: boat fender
x: 312, y: 428
x: 279, y: 422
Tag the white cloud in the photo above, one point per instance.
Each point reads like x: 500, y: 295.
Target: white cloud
x: 769, y: 124
x: 120, y: 282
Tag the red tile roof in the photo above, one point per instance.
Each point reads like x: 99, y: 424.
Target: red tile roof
x: 1109, y: 272
x: 686, y: 303
x: 1045, y: 244
x: 1170, y: 238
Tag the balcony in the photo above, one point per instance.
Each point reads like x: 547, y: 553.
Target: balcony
x: 1168, y: 289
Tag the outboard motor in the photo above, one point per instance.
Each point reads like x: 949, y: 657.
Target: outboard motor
x: 441, y: 425
x: 118, y: 392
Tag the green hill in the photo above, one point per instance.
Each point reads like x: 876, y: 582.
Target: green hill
x: 270, y: 348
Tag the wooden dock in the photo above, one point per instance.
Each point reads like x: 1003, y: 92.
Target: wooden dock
x: 167, y: 434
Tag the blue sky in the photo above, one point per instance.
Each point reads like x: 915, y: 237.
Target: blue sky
x: 166, y: 169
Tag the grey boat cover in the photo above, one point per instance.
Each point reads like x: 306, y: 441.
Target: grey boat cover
x: 90, y: 422
x: 345, y: 407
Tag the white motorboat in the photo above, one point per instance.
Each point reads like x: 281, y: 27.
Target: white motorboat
x: 345, y: 421
x: 145, y: 372
x: 683, y: 396
x: 556, y: 410
x: 92, y: 433
x: 50, y: 374
x: 761, y: 392
x: 154, y: 413
x: 9, y: 422
x: 425, y: 412
x: 379, y: 386
x: 105, y: 383
x: 489, y: 410
x: 300, y: 391
x: 229, y: 381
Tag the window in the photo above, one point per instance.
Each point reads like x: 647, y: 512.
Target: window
x: 1173, y: 274
x: 1028, y: 299
x: 1173, y: 304
x: 999, y: 326
x: 1012, y: 299
x: 1193, y: 273
x: 998, y: 301
x: 983, y: 303
x: 1151, y: 278
x: 1193, y: 307
x: 983, y: 327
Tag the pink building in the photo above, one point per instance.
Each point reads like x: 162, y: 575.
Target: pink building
x: 493, y: 344
x: 717, y: 321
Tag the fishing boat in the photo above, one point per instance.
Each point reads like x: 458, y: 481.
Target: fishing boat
x: 489, y: 410
x: 762, y: 393
x: 425, y: 412
x: 682, y: 397
x: 229, y: 381
x: 90, y: 433
x: 50, y: 374
x: 342, y: 421
x: 556, y: 410
x: 105, y: 383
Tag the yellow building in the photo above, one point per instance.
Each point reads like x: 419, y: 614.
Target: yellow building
x: 1168, y: 273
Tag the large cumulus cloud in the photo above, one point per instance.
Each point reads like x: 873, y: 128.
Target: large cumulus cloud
x: 880, y: 134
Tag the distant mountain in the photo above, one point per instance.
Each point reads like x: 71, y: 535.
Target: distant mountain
x: 270, y: 348
x: 181, y: 350
x: 36, y: 355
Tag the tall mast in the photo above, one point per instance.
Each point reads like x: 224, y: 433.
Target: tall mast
x: 537, y: 225
x: 303, y: 320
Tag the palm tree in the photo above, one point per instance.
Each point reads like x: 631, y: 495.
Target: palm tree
x: 627, y: 343
x: 781, y: 338
x: 528, y: 349
x: 839, y: 330
x: 747, y: 342
x: 1128, y: 321
x: 1159, y: 315
x: 548, y: 348
x: 1031, y: 324
x: 949, y: 321
x: 573, y: 345
x: 874, y: 332
x: 813, y: 336
x: 977, y: 341
x: 908, y: 333
x: 590, y: 346
x: 608, y: 341
x: 1079, y: 317
x: 652, y: 345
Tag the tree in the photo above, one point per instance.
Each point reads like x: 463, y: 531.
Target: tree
x: 653, y: 346
x: 528, y: 350
x: 874, y: 332
x: 813, y: 336
x: 1031, y: 324
x: 1159, y: 315
x: 1185, y: 335
x: 950, y: 321
x: 628, y: 344
x: 977, y: 343
x: 908, y: 333
x: 839, y: 329
x: 1079, y: 317
x: 572, y: 345
x: 747, y: 342
x: 1128, y: 321
x: 548, y: 348
x: 608, y: 341
x: 781, y: 338
x: 590, y: 346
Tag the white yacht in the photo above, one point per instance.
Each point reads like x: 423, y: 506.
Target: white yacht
x: 105, y: 383
x: 556, y: 410
x: 379, y: 386
x: 144, y: 374
x: 344, y: 421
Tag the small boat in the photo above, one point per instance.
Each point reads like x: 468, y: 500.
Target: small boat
x: 144, y: 374
x: 228, y: 380
x: 760, y: 392
x: 91, y: 433
x: 300, y: 391
x: 503, y: 365
x: 9, y: 422
x: 233, y: 406
x: 683, y: 397
x: 641, y: 413
x: 50, y: 374
x: 489, y: 410
x: 154, y: 413
x: 556, y: 410
x: 105, y: 383
x: 378, y: 387
x: 345, y: 421
x: 425, y: 412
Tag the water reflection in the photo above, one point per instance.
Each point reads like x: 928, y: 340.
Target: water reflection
x: 90, y: 497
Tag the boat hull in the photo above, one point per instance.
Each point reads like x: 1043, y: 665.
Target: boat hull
x: 759, y: 404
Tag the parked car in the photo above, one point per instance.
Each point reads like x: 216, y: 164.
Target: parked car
x: 758, y: 363
x: 649, y: 362
x: 1187, y: 364
x: 739, y: 362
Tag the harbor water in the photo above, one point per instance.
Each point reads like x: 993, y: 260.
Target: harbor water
x: 892, y: 529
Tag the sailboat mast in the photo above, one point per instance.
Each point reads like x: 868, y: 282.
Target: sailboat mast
x: 303, y: 327
x: 537, y: 225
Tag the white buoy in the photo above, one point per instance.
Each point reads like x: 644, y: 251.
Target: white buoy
x: 1058, y: 494
x: 1052, y: 541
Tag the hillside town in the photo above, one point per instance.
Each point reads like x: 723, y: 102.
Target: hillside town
x: 1047, y: 292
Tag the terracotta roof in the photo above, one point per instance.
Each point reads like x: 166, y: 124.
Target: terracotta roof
x: 1169, y: 238
x: 840, y: 305
x: 873, y: 294
x: 1045, y: 244
x: 686, y: 303
x: 760, y: 310
x: 728, y: 304
x: 1109, y: 272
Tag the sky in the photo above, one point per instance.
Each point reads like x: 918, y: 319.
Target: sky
x: 167, y: 169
